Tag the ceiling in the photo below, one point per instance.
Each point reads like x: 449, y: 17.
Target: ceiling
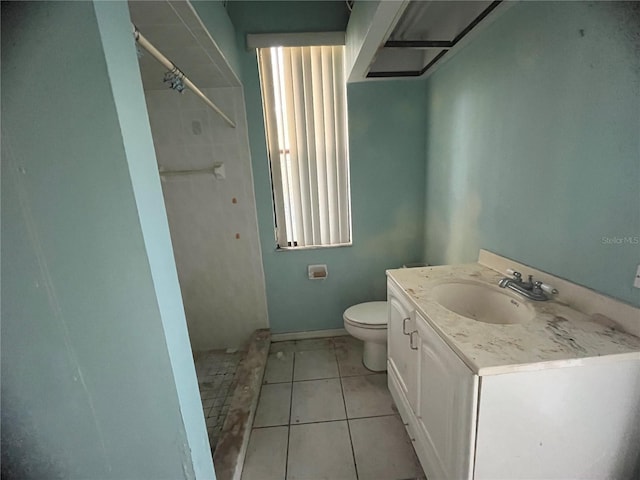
x: 174, y: 28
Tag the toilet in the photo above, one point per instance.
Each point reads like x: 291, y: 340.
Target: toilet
x: 368, y: 322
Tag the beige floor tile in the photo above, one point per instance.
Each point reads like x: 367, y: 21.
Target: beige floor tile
x: 349, y: 355
x: 279, y: 368
x: 273, y: 406
x: 367, y: 396
x: 383, y: 450
x: 314, y: 344
x: 285, y: 347
x: 315, y: 364
x: 266, y: 454
x: 317, y: 401
x: 320, y: 451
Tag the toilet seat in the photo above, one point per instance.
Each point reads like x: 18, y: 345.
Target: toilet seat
x: 372, y: 315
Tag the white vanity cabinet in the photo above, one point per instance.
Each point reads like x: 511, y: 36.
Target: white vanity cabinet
x: 553, y: 420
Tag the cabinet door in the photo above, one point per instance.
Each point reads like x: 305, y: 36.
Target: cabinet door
x: 578, y: 421
x: 402, y: 359
x: 447, y: 403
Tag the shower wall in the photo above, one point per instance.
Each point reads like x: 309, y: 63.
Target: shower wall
x: 212, y: 220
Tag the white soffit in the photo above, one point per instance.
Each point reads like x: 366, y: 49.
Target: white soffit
x: 307, y: 39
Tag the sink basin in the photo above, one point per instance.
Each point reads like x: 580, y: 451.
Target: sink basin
x: 482, y: 303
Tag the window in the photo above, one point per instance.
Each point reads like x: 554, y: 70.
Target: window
x: 304, y: 102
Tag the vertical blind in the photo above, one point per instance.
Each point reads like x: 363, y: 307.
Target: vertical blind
x: 304, y: 100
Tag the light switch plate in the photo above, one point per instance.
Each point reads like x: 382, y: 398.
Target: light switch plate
x: 636, y: 281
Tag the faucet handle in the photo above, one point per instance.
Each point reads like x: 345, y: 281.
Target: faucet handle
x: 549, y: 289
x: 516, y: 275
x: 543, y: 287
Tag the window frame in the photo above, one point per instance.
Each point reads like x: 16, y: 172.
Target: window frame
x: 340, y: 157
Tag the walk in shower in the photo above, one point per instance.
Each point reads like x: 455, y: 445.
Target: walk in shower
x: 197, y: 116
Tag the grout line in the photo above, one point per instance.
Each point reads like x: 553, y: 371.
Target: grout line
x: 270, y: 426
x: 286, y: 462
x: 368, y: 374
x: 321, y: 421
x: 315, y: 379
x: 275, y: 383
x: 346, y: 414
x: 334, y: 420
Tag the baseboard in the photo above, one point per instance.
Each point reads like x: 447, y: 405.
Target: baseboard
x: 283, y: 337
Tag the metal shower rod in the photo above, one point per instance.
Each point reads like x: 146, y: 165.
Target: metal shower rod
x: 155, y: 53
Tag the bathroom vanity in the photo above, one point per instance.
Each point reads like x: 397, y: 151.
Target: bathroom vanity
x: 512, y: 388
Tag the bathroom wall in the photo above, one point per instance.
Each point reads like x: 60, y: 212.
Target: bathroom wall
x: 532, y: 144
x: 97, y: 376
x: 213, y: 221
x: 386, y: 139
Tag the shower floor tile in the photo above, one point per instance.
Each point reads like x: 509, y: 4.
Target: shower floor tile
x: 216, y: 371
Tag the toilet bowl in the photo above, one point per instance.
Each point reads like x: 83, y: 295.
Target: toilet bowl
x: 368, y: 322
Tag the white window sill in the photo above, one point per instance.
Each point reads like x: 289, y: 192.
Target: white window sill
x: 313, y: 247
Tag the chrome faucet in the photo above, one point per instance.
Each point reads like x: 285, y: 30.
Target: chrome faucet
x: 533, y: 290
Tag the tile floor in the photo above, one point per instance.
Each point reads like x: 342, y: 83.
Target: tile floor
x: 216, y: 370
x: 323, y: 415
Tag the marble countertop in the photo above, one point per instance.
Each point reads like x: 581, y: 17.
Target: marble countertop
x: 557, y: 336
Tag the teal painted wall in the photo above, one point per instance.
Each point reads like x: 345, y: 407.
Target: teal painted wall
x: 533, y: 146
x: 96, y: 376
x: 126, y: 86
x: 286, y: 17
x: 216, y: 19
x: 386, y: 138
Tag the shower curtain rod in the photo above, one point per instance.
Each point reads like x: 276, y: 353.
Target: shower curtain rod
x: 155, y: 53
